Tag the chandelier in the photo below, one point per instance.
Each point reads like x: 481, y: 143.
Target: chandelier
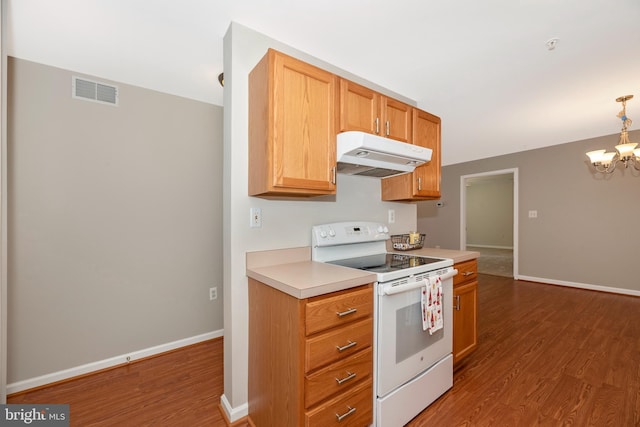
x: 626, y: 151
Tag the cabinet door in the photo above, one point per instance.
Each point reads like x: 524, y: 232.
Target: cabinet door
x: 304, y: 151
x: 396, y: 119
x: 359, y: 108
x: 465, y: 318
x: 292, y: 145
x: 426, y: 133
x: 424, y: 182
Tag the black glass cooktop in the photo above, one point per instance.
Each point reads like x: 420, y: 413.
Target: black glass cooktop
x: 384, y: 263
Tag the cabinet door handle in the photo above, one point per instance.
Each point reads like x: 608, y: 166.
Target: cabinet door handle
x: 346, y: 414
x: 457, y: 306
x: 467, y: 273
x: 419, y: 184
x: 387, y: 126
x: 344, y: 347
x: 333, y: 175
x: 350, y: 375
x: 348, y: 311
x: 377, y: 125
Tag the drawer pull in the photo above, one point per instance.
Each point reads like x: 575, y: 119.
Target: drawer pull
x: 350, y: 375
x: 348, y: 311
x: 344, y: 347
x: 346, y: 414
x: 467, y: 273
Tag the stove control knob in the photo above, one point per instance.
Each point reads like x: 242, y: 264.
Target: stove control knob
x: 380, y: 229
x: 386, y: 229
x: 332, y: 232
x: 323, y: 234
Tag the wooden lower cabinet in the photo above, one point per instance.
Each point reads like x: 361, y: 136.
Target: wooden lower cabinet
x: 465, y: 310
x: 310, y: 360
x: 354, y: 408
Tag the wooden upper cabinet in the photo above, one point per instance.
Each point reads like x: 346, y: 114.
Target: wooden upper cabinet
x: 292, y: 128
x: 424, y: 182
x: 397, y: 118
x: 359, y: 108
x: 363, y: 109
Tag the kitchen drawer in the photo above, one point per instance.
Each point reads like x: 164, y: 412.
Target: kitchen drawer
x: 467, y: 271
x: 326, y: 312
x: 329, y: 347
x: 350, y: 371
x: 355, y: 406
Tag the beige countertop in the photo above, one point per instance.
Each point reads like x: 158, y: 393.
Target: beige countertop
x: 302, y: 278
x: 455, y: 255
x: 299, y: 276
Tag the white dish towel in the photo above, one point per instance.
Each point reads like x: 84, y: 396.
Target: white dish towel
x: 432, y: 317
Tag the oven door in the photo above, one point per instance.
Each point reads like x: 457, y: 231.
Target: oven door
x: 404, y: 349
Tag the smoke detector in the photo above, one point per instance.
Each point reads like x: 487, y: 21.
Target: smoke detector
x: 552, y: 43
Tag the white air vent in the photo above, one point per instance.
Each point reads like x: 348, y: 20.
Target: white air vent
x: 94, y: 91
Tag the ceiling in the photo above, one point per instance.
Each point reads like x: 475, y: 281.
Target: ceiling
x: 482, y: 66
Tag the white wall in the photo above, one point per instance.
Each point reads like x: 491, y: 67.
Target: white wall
x: 286, y: 223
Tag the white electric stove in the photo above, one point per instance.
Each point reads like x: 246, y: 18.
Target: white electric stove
x: 412, y: 367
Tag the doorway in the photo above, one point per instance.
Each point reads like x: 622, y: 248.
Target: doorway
x: 489, y: 220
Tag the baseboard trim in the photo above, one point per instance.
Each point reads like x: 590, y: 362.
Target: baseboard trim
x: 233, y: 415
x: 108, y: 363
x: 490, y: 246
x: 587, y: 286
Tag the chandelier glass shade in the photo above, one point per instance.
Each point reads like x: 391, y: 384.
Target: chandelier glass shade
x: 626, y: 152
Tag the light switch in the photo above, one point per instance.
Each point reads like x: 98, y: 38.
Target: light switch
x: 255, y: 220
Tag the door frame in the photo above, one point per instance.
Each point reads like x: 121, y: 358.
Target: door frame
x: 463, y: 210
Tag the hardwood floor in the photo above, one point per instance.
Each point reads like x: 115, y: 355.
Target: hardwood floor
x: 547, y: 356
x: 179, y: 388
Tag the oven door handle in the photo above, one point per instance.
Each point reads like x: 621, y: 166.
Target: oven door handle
x: 391, y: 290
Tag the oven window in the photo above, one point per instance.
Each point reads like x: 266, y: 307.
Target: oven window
x: 410, y: 338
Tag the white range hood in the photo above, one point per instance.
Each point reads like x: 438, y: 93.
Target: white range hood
x: 365, y: 154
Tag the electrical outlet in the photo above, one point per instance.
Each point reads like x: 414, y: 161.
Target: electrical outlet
x: 213, y: 293
x: 533, y: 214
x: 392, y: 216
x: 255, y: 219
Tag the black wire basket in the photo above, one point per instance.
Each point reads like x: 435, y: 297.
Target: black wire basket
x: 402, y: 242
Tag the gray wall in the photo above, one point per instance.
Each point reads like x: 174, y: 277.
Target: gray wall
x: 489, y: 202
x: 114, y: 221
x: 585, y: 231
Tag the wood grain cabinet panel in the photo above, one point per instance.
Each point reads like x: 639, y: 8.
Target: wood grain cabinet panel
x: 338, y: 377
x: 465, y: 310
x: 292, y: 128
x: 363, y: 109
x: 327, y: 312
x: 396, y: 119
x: 359, y: 108
x: 295, y: 113
x: 467, y: 272
x: 424, y: 182
x: 336, y: 344
x: 351, y: 409
x: 298, y: 375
